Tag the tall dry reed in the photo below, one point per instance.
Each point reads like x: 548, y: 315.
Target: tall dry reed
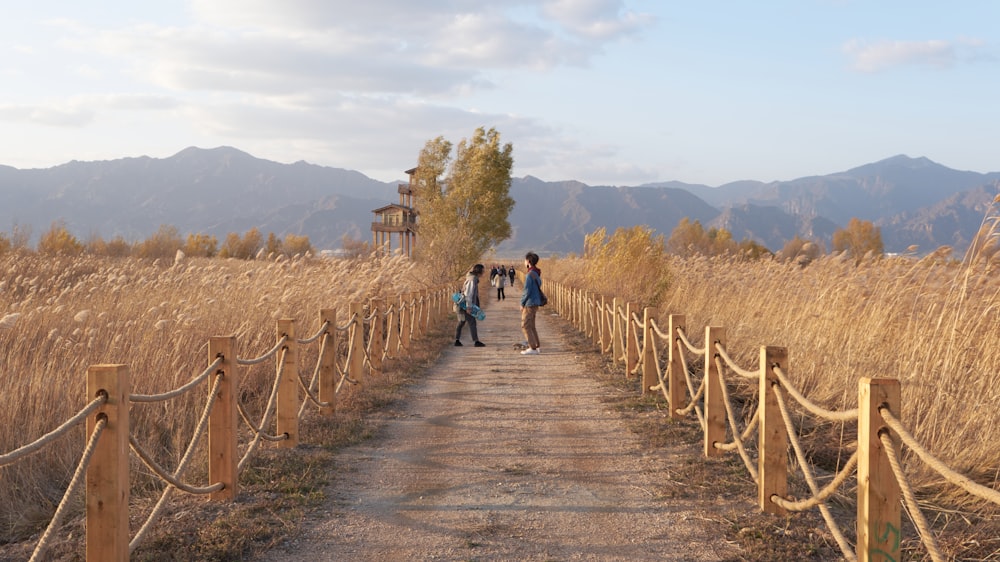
x: 932, y: 323
x: 65, y: 314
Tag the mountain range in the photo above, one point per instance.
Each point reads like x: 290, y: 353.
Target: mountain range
x: 217, y: 191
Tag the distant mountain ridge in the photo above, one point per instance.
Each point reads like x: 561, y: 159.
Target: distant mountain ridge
x: 221, y: 190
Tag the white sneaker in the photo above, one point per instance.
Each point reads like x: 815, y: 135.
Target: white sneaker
x: 530, y: 352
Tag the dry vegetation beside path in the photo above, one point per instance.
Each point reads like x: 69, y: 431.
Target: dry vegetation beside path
x: 60, y: 315
x: 933, y: 323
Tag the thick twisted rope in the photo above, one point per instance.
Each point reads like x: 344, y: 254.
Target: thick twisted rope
x: 312, y: 382
x: 638, y: 345
x: 640, y: 323
x: 348, y: 324
x: 824, y: 494
x: 910, y: 499
x: 731, y: 446
x: 830, y: 415
x: 745, y: 373
x: 689, y: 345
x: 343, y: 371
x: 950, y: 475
x: 695, y: 394
x: 793, y: 437
x: 390, y: 316
x: 259, y: 430
x: 74, y: 484
x: 607, y: 327
x: 266, y: 418
x: 79, y: 417
x: 657, y: 331
x: 732, y: 424
x: 621, y: 318
x: 179, y: 390
x: 154, y: 515
x: 152, y: 465
x: 371, y: 340
x: 316, y: 336
x: 267, y: 355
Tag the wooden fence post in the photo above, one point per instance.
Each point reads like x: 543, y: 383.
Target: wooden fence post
x: 405, y: 320
x: 631, y: 349
x: 222, y: 422
x: 772, y: 461
x: 715, y: 407
x: 356, y: 370
x: 328, y: 363
x: 579, y: 309
x: 392, y: 342
x: 879, y: 523
x: 597, y: 306
x: 649, y: 376
x: 676, y: 383
x: 375, y: 347
x: 288, y: 387
x: 602, y: 326
x: 107, y: 481
x: 425, y: 312
x: 616, y: 333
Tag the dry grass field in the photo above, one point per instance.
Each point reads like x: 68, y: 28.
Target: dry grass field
x: 60, y: 315
x: 932, y: 323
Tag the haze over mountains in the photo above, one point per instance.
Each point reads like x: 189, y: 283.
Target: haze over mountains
x: 216, y: 191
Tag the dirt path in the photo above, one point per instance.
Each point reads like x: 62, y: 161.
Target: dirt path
x: 499, y: 456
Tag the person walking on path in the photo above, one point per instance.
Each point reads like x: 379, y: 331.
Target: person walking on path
x: 531, y: 299
x: 500, y: 281
x: 511, y: 273
x: 471, y: 291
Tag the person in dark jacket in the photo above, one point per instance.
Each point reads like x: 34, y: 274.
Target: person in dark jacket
x: 531, y: 299
x: 471, y: 291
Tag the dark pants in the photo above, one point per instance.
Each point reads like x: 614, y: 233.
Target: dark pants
x: 466, y: 317
x: 500, y: 295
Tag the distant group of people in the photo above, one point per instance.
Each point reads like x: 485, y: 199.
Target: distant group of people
x: 498, y: 278
x: 531, y: 298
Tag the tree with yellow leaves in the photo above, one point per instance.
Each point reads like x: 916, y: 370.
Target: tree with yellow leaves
x: 463, y: 204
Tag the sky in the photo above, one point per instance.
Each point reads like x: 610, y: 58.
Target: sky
x: 607, y: 92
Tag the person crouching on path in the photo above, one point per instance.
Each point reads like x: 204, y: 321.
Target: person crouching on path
x: 531, y: 299
x: 471, y: 291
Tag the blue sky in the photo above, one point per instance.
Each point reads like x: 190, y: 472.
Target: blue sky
x: 601, y: 91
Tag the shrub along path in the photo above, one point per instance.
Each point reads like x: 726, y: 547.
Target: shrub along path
x: 499, y: 456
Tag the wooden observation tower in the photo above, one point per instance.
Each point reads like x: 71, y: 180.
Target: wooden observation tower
x: 400, y: 219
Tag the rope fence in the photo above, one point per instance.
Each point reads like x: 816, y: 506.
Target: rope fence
x: 695, y: 375
x: 375, y: 331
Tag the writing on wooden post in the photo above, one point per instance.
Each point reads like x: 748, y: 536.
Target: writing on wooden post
x: 879, y: 513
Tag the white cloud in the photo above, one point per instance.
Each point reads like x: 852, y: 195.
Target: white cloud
x: 595, y: 19
x: 885, y: 54
x: 56, y: 115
